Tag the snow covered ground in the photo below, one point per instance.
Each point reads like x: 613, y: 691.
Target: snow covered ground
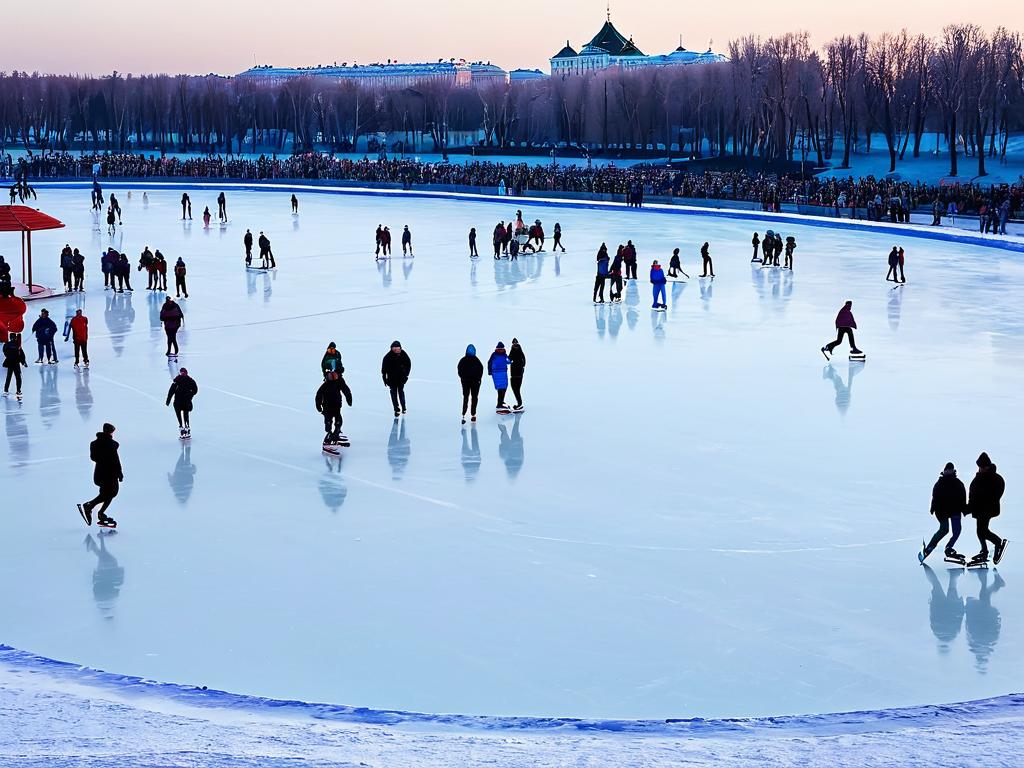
x: 696, y: 516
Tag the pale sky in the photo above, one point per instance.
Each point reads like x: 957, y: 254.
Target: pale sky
x: 224, y: 36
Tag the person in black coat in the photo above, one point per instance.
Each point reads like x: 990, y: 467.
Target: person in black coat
x: 395, y: 369
x: 983, y: 504
x: 894, y: 262
x: 107, y: 476
x: 328, y: 402
x: 14, y: 361
x: 517, y: 360
x: 756, y: 242
x: 182, y: 390
x: 471, y: 374
x: 247, y: 242
x: 45, y: 329
x: 949, y: 504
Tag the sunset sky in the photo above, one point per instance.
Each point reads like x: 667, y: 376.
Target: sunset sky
x: 227, y: 36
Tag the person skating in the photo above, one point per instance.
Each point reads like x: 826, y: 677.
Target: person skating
x: 900, y: 261
x: 186, y: 206
x: 14, y: 361
x: 378, y: 237
x: 295, y: 204
x: 675, y: 266
x: 845, y: 324
x: 517, y: 367
x: 497, y: 369
x: 406, y: 241
x: 705, y: 255
x: 629, y: 257
x: 497, y: 238
x: 471, y: 374
x: 537, y: 234
x: 615, y: 277
x: 78, y: 270
x: 180, y: 270
x: 146, y: 263
x: 894, y: 262
x: 602, y: 274
x: 222, y: 207
x: 124, y: 274
x: 207, y: 216
x: 328, y: 402
x: 66, y: 266
x: 756, y: 242
x: 949, y: 504
x: 172, y: 317
x: 557, y: 241
x: 983, y: 504
x: 777, y: 249
x: 44, y: 329
x: 658, y: 281
x: 160, y: 265
x: 767, y: 243
x: 111, y: 221
x: 790, y: 247
x: 77, y: 329
x: 247, y: 242
x: 107, y: 476
x: 395, y: 369
x: 108, y: 266
x: 331, y: 361
x: 267, y: 260
x: 473, y: 254
x: 115, y: 207
x: 183, y: 389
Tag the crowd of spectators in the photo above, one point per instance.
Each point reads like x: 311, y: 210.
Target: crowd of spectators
x: 876, y: 196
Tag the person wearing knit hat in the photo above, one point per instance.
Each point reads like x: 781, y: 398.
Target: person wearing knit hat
x: 517, y: 360
x: 949, y: 504
x: 395, y: 369
x: 497, y: 369
x: 983, y: 504
x: 331, y: 361
x: 182, y: 390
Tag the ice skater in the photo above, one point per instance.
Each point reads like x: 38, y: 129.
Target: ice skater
x: 675, y: 266
x: 497, y: 238
x: 497, y: 369
x: 406, y: 241
x: 78, y: 271
x: 705, y: 255
x: 949, y: 505
x: 222, y: 208
x: 186, y: 206
x: 629, y: 257
x: 45, y: 330
x: 331, y: 361
x: 557, y: 241
x: 983, y: 504
x: 180, y: 270
x: 615, y: 278
x: 66, y: 266
x: 267, y: 260
x: 790, y: 247
x: 845, y: 325
x: 658, y: 281
x: 473, y: 253
x: 901, y: 258
x: 111, y: 222
x: 295, y: 205
x: 385, y: 243
x: 395, y: 369
x: 160, y: 264
x: 123, y: 272
x: 77, y: 329
x: 14, y: 361
x: 115, y: 206
x: 247, y: 242
x: 602, y: 274
x: 172, y: 317
x: 183, y: 389
x: 517, y: 365
x: 756, y: 242
x: 894, y: 262
x: 328, y: 402
x: 107, y: 476
x: 206, y: 217
x: 471, y: 374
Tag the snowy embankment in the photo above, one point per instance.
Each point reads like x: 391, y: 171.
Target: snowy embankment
x: 57, y: 714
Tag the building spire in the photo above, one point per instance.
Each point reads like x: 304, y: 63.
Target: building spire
x: 608, y: 11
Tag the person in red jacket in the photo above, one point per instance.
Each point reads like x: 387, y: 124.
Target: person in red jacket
x: 78, y: 329
x: 844, y: 325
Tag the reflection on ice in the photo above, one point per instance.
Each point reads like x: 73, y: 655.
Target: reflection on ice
x: 49, y: 398
x: 183, y: 477
x: 399, y: 448
x: 83, y: 395
x: 843, y: 387
x: 108, y: 576
x: 510, y: 446
x: 983, y: 620
x: 331, y: 484
x: 470, y: 453
x: 947, y: 610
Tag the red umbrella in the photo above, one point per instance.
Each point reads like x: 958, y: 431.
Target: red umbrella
x: 21, y: 218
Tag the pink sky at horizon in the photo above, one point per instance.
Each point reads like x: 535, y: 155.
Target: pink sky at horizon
x: 234, y: 34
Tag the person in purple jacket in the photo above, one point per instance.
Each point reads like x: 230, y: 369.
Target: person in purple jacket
x: 844, y: 325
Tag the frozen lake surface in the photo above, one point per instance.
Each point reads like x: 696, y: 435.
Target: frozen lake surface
x: 696, y: 516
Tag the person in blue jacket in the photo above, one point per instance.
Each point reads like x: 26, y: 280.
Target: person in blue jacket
x: 45, y: 329
x: 602, y: 274
x: 658, y: 281
x: 497, y: 369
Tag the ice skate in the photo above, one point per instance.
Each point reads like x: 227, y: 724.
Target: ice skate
x: 106, y: 522
x: 1000, y: 548
x: 952, y: 556
x: 980, y: 560
x: 86, y: 512
x: 824, y: 351
x: 923, y: 554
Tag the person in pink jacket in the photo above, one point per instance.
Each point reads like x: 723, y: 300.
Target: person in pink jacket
x: 844, y: 325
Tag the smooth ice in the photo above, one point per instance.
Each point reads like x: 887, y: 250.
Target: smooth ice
x: 696, y: 516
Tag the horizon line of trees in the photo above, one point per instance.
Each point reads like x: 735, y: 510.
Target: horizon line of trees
x: 776, y: 98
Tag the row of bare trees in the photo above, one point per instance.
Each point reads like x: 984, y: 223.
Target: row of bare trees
x: 774, y: 99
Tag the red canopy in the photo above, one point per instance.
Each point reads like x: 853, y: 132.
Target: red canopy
x: 21, y: 218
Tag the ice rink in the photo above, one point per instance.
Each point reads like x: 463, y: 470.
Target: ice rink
x: 696, y: 516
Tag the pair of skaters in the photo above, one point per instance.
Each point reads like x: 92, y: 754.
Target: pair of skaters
x: 504, y: 367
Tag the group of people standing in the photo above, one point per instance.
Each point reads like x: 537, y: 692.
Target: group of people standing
x: 509, y: 240
x: 768, y: 249
x: 382, y: 238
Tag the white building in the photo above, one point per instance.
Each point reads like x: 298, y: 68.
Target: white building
x: 390, y: 74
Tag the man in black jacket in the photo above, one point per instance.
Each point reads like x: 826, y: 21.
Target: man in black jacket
x: 949, y: 504
x: 107, y: 476
x: 986, y: 490
x: 395, y: 369
x: 471, y: 373
x: 517, y: 358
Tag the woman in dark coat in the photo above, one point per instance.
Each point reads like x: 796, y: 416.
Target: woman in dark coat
x: 471, y: 374
x: 182, y: 390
